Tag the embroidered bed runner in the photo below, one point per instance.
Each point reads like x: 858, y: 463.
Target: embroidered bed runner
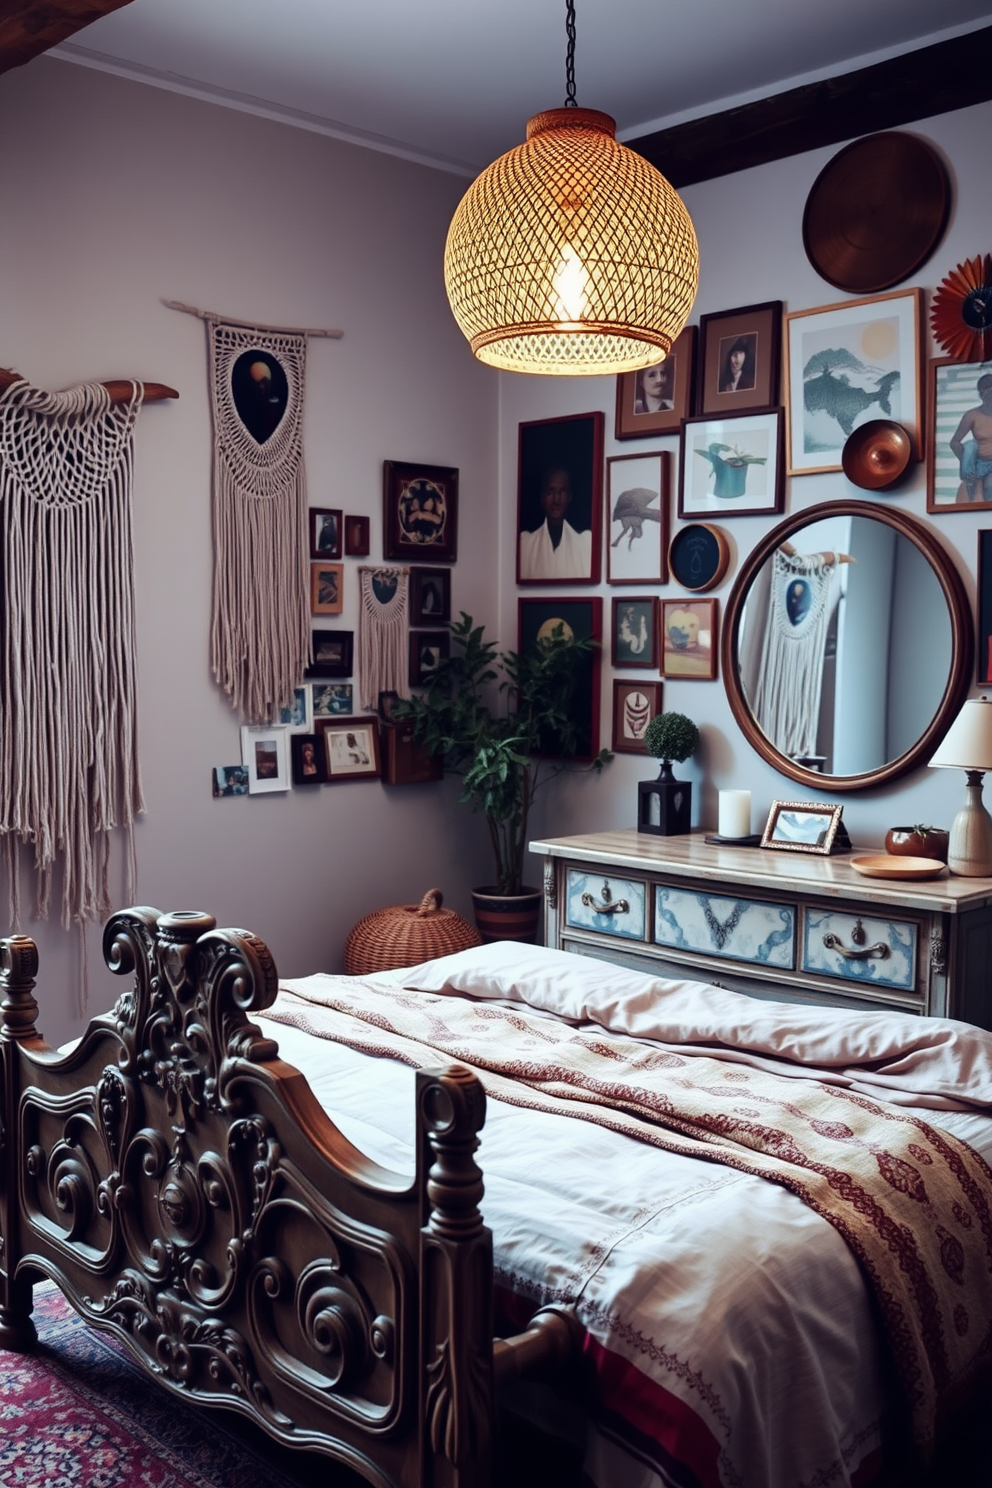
x: 911, y: 1202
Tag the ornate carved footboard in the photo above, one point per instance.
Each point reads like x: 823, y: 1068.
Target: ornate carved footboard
x: 184, y: 1189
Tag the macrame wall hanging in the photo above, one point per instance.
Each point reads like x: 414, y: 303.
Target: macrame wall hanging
x: 790, y: 674
x: 383, y: 664
x: 68, y: 697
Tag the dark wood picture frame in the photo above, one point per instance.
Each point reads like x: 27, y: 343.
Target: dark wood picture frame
x: 633, y: 418
x: 631, y: 719
x: 308, y: 759
x: 984, y: 618
x: 357, y: 542
x: 683, y: 656
x: 736, y: 492
x: 582, y: 615
x: 953, y: 394
x: 547, y: 449
x: 430, y: 595
x: 637, y: 527
x: 326, y: 588
x: 634, y: 631
x: 333, y: 654
x: 752, y: 333
x: 419, y: 512
x: 325, y: 530
x: 351, y: 748
x: 422, y: 644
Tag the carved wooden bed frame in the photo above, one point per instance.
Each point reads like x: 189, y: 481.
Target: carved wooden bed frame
x: 183, y: 1187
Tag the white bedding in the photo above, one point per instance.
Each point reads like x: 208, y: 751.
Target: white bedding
x: 724, y: 1289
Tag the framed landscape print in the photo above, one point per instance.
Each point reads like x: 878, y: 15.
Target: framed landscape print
x: 539, y: 619
x: 732, y: 467
x: 560, y: 500
x: 325, y: 532
x: 689, y: 638
x: 634, y: 705
x: 959, y: 465
x: 351, y: 748
x: 637, y: 503
x: 847, y: 364
x: 265, y: 754
x: 326, y: 588
x: 656, y: 399
x: 635, y: 632
x: 420, y: 512
x: 333, y: 653
x: 740, y: 355
x: 801, y: 826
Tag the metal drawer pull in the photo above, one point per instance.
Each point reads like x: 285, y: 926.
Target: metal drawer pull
x: 880, y: 951
x: 609, y: 904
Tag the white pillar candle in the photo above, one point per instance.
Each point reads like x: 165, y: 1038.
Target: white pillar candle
x: 735, y: 813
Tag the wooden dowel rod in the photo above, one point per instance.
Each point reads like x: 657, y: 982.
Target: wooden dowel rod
x: 120, y: 391
x: 251, y: 325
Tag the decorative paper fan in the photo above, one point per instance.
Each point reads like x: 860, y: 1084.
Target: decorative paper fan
x: 961, y: 310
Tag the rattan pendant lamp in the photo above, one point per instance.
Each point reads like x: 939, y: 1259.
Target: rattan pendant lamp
x: 570, y: 254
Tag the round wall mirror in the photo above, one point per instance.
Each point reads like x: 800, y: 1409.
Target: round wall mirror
x: 847, y: 645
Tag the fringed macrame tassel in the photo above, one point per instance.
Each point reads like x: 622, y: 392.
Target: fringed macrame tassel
x: 790, y: 677
x: 383, y: 663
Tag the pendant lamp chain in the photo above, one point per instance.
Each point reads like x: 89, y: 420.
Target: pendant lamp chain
x: 570, y: 101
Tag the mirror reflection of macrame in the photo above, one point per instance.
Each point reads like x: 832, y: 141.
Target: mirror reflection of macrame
x: 382, y: 634
x: 68, y: 727
x: 260, y: 637
x: 790, y: 675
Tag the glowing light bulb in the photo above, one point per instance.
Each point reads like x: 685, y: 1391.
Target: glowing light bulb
x: 570, y: 284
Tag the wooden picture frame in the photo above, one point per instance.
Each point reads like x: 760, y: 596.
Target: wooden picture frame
x: 698, y: 556
x: 326, y: 588
x: 357, y: 542
x: 333, y: 699
x: 643, y: 411
x: 637, y: 507
x: 419, y: 512
x: 264, y: 752
x: 957, y: 480
x: 325, y: 525
x: 984, y: 618
x: 430, y: 595
x: 333, y: 654
x: 634, y: 631
x: 560, y: 481
x: 427, y: 649
x: 581, y: 616
x: 732, y: 467
x: 846, y: 364
x: 635, y: 703
x: 689, y: 639
x: 308, y: 757
x: 351, y: 748
x: 801, y: 826
x: 740, y: 359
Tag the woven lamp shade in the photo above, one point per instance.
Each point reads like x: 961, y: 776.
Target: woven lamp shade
x: 405, y: 935
x: 571, y: 254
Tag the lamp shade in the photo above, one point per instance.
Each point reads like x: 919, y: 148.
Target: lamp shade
x: 967, y: 745
x: 571, y: 254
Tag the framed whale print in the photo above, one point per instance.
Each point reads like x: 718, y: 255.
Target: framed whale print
x: 847, y: 364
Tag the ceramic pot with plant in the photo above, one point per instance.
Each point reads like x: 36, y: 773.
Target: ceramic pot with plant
x: 664, y: 805
x: 918, y: 842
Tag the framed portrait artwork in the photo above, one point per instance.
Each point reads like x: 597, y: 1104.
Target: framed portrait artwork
x: 634, y: 706
x: 801, y: 826
x: 356, y: 537
x: 689, y: 638
x: 984, y: 647
x: 430, y: 595
x: 297, y: 714
x: 656, y: 399
x: 635, y: 632
x: 560, y: 500
x: 959, y: 464
x: 333, y: 653
x: 326, y: 588
x: 325, y: 532
x: 539, y: 619
x: 420, y: 512
x: 265, y: 754
x: 308, y: 759
x: 427, y: 649
x: 846, y: 364
x: 351, y: 748
x: 332, y: 699
x: 637, y: 503
x: 740, y: 356
x: 732, y: 467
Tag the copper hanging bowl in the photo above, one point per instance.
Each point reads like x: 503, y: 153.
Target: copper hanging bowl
x: 876, y: 455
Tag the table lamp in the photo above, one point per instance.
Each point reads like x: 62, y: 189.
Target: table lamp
x: 968, y: 746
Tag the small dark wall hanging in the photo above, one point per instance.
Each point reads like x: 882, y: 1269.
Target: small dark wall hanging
x: 698, y: 556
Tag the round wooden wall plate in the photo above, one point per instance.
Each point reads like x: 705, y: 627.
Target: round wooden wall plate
x: 698, y: 555
x: 876, y: 455
x: 876, y: 212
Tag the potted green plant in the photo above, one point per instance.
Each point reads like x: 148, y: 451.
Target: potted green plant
x: 665, y: 804
x: 503, y: 721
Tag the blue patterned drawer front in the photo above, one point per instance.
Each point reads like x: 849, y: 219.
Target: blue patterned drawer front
x: 859, y: 949
x: 612, y: 906
x: 738, y: 929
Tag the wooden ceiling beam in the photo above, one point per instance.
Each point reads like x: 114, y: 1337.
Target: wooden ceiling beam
x: 28, y: 27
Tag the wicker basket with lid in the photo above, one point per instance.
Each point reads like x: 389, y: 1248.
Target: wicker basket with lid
x: 405, y: 934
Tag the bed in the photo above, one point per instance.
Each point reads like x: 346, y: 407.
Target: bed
x: 708, y: 1306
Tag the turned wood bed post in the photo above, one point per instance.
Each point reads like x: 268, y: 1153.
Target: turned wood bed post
x: 18, y: 1011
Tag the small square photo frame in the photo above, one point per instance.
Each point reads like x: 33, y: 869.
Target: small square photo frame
x: 689, y: 639
x: 420, y: 512
x: 297, y: 714
x: 309, y: 762
x: 356, y: 537
x: 333, y: 653
x: 333, y: 699
x: 634, y: 705
x: 732, y: 467
x: 428, y: 648
x: 351, y: 748
x: 635, y: 631
x: 430, y: 595
x: 264, y: 752
x: 325, y: 532
x: 230, y: 780
x: 801, y: 826
x: 637, y: 506
x: 656, y: 399
x: 740, y: 359
x: 326, y: 588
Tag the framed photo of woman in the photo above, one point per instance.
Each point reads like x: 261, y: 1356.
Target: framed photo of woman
x: 656, y: 399
x: 740, y: 359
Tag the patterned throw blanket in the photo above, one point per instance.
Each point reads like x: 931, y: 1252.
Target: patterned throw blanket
x: 912, y: 1202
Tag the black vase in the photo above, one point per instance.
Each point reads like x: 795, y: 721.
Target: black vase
x: 664, y: 806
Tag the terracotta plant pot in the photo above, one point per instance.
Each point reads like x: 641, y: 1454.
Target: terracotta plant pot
x: 910, y: 842
x: 508, y: 916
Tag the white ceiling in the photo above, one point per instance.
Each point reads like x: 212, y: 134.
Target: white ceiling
x: 453, y: 82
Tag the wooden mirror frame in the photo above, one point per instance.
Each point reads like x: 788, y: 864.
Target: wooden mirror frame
x: 962, y: 644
